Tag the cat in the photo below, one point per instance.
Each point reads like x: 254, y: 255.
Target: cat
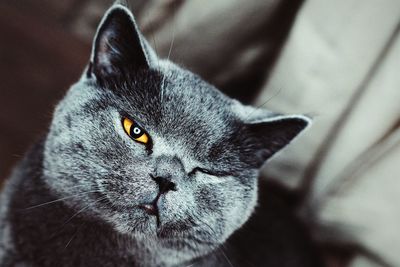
x: 146, y: 164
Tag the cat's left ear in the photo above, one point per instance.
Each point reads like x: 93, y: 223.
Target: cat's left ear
x: 118, y: 45
x: 267, y: 133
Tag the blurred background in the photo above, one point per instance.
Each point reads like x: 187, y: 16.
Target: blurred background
x: 337, y: 61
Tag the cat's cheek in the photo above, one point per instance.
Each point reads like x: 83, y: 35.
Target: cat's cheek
x: 132, y: 185
x: 240, y: 205
x: 118, y: 127
x: 176, y: 205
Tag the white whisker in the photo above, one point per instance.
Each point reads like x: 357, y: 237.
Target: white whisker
x: 81, y: 210
x: 59, y: 200
x: 265, y: 102
x: 226, y: 257
x: 72, y: 237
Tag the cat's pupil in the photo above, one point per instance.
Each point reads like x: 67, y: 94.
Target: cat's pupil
x: 136, y: 131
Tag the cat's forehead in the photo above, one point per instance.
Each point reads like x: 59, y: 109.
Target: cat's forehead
x: 169, y: 99
x: 174, y: 105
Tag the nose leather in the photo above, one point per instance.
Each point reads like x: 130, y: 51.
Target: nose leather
x: 164, y: 184
x: 168, y: 172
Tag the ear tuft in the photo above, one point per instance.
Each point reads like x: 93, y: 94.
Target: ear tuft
x: 118, y: 45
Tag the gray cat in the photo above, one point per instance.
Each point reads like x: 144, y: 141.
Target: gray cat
x: 145, y: 164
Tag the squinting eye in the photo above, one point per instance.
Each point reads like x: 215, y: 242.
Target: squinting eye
x: 134, y: 131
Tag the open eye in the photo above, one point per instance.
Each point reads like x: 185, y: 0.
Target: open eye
x: 135, y: 131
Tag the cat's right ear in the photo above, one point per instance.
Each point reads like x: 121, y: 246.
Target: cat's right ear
x: 118, y: 46
x: 266, y: 132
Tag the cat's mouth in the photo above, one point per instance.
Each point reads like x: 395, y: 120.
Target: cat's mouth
x: 152, y: 208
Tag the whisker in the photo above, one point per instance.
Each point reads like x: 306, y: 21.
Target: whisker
x: 80, y: 186
x: 71, y: 239
x: 81, y: 210
x: 265, y: 102
x: 225, y: 256
x: 172, y: 39
x: 158, y: 65
x: 60, y: 229
x: 220, y: 249
x: 270, y: 98
x: 168, y: 56
x: 74, y: 234
x: 59, y: 200
x: 155, y: 48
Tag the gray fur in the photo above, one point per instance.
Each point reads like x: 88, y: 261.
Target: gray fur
x: 102, y: 175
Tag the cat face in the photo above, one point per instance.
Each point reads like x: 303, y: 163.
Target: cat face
x: 155, y: 151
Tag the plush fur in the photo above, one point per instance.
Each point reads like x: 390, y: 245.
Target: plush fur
x: 77, y: 198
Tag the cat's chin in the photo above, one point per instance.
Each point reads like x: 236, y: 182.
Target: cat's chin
x: 168, y: 236
x: 136, y: 223
x: 181, y: 248
x: 180, y: 236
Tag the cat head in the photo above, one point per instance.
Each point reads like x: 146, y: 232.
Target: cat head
x: 155, y: 151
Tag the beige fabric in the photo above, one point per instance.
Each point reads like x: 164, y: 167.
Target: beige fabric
x: 363, y: 262
x: 202, y: 32
x: 331, y: 49
x: 333, y: 46
x: 370, y: 209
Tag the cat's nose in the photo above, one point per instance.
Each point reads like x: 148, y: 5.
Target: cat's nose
x: 168, y: 173
x: 164, y: 184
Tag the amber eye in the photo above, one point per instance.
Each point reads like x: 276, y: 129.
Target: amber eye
x: 135, y: 131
